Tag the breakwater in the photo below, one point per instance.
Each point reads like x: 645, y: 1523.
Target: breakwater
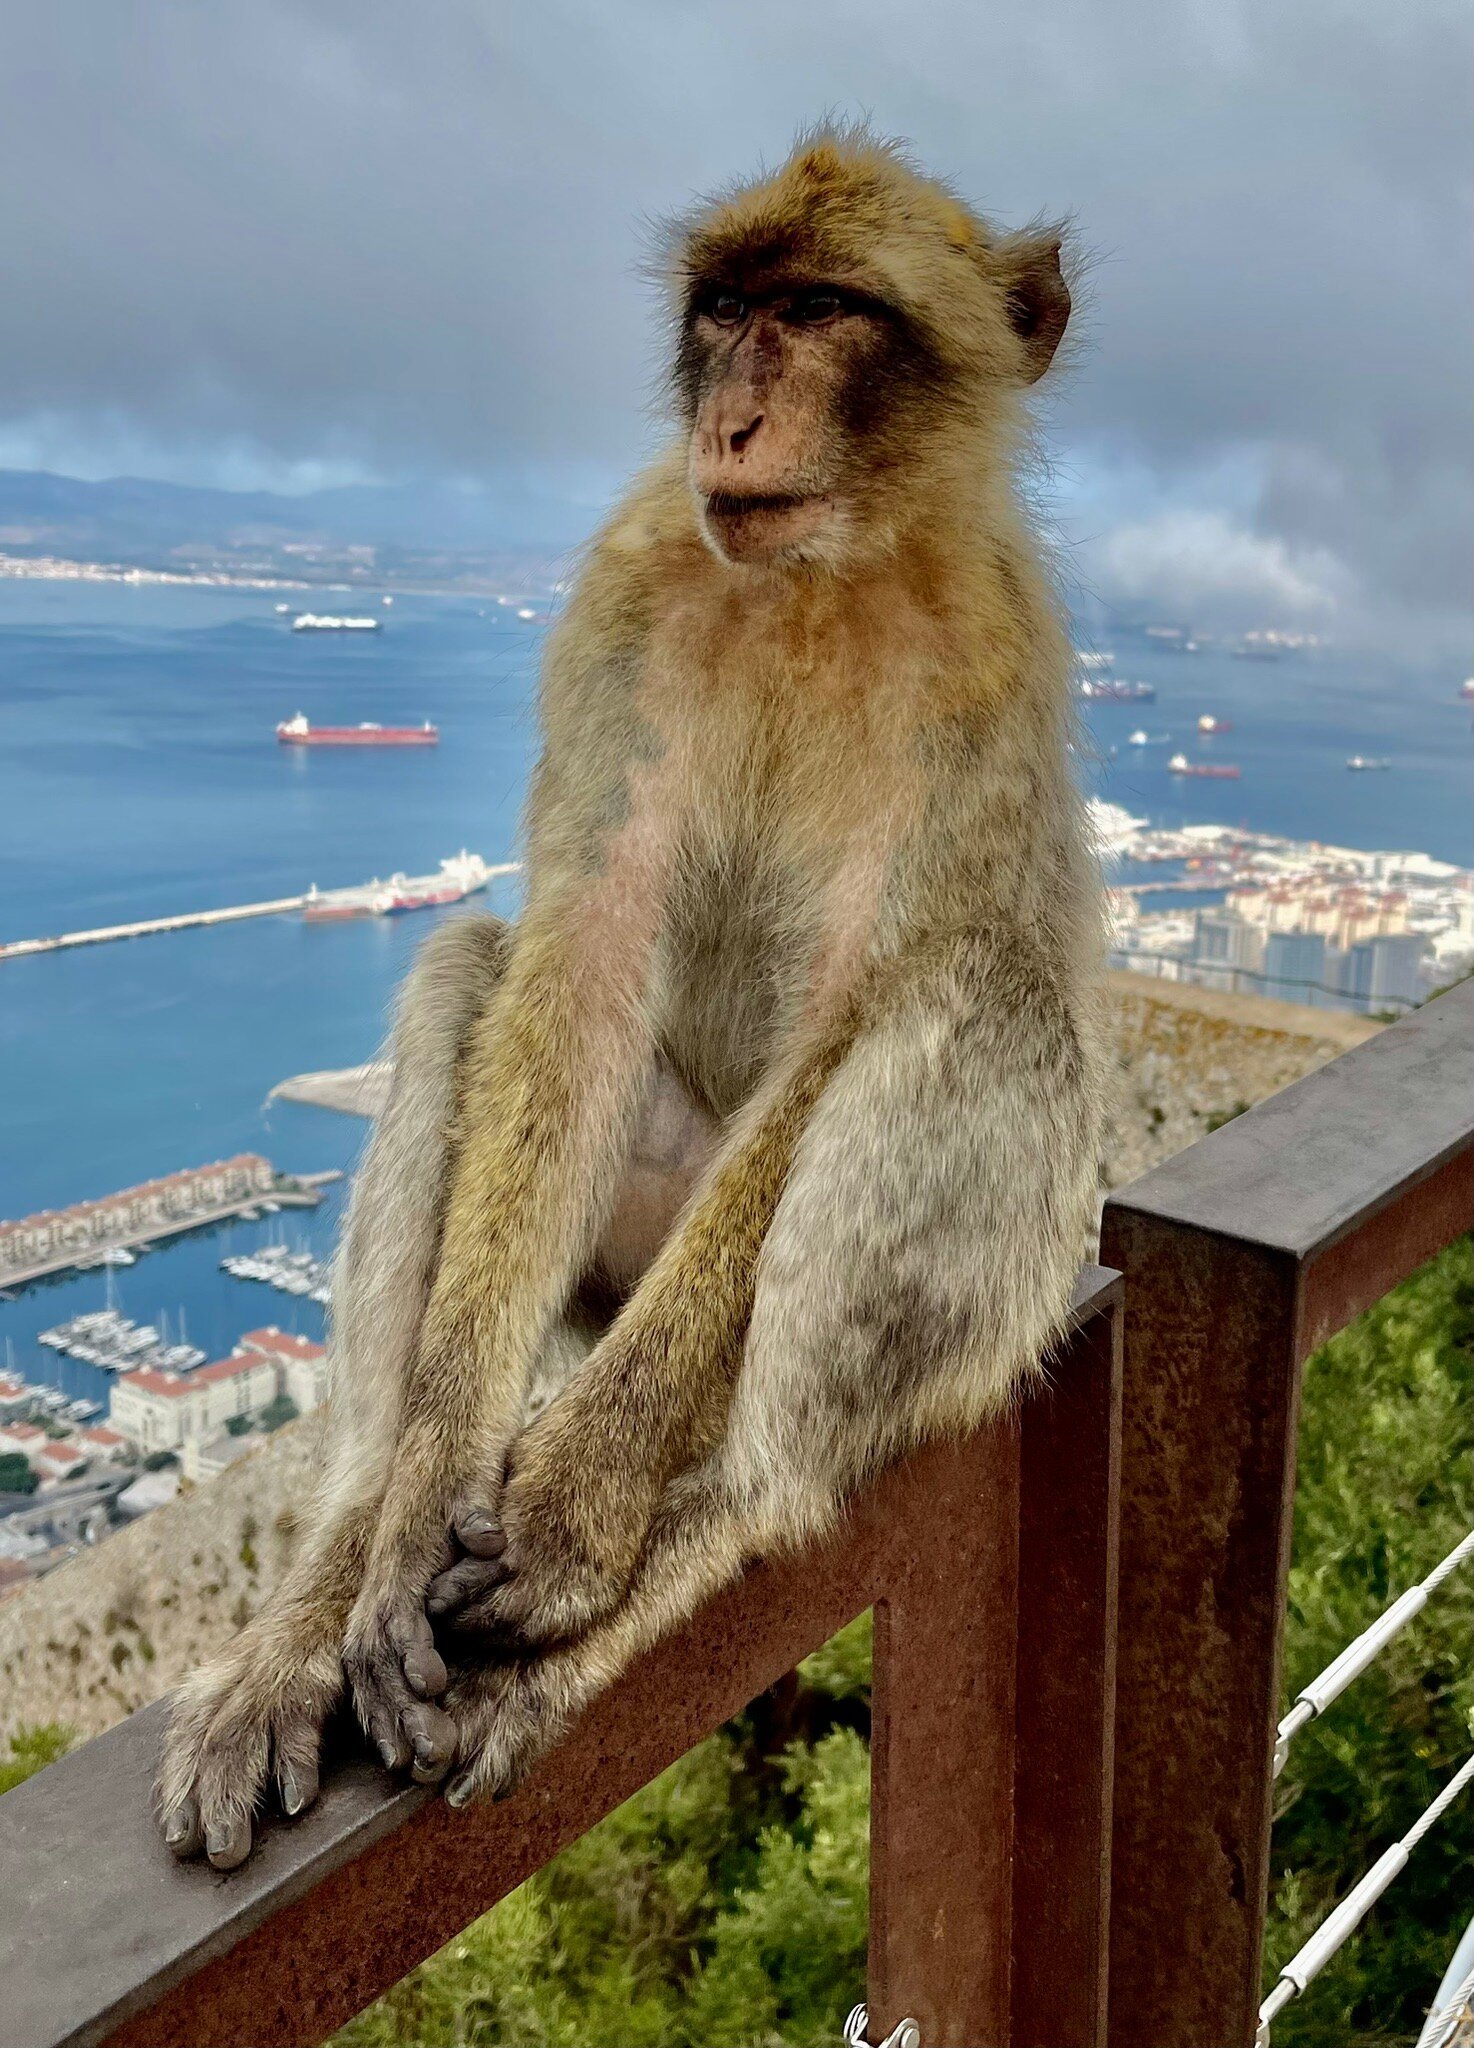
x: 144, y: 927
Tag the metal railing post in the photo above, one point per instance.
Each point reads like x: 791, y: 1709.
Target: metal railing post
x: 1241, y: 1255
x: 992, y: 1723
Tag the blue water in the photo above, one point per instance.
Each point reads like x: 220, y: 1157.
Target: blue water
x: 139, y: 774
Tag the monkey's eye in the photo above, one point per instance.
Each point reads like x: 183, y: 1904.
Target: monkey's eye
x: 727, y: 309
x: 811, y: 309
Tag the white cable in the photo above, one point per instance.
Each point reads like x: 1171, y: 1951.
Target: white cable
x: 1339, y: 1924
x: 1438, y: 2028
x: 1314, y: 1698
x: 906, y: 2035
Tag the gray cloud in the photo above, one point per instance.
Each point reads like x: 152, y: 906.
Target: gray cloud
x: 372, y: 238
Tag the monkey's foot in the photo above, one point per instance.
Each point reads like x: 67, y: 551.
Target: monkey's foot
x: 395, y: 1675
x: 509, y: 1716
x: 251, y: 1717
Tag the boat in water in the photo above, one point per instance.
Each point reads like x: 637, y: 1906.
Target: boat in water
x: 460, y: 876
x: 1114, y: 690
x: 300, y: 732
x: 1208, y: 723
x: 335, y: 622
x: 1142, y: 738
x: 1363, y: 762
x: 1209, y: 771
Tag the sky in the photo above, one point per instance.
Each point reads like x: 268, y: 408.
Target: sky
x: 283, y: 243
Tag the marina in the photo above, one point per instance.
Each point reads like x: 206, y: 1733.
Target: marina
x: 105, y: 1337
x: 290, y: 1272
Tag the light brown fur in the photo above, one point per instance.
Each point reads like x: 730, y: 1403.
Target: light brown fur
x: 766, y: 1145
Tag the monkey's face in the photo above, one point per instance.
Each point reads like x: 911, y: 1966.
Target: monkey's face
x: 781, y: 377
x: 852, y: 339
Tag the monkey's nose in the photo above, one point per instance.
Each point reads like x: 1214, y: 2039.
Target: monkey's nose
x: 738, y: 437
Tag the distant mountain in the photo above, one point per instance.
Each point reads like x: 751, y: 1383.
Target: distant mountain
x: 138, y: 521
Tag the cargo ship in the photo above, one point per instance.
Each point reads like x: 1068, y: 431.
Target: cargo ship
x: 297, y: 732
x: 1210, y: 771
x: 1208, y: 723
x: 1110, y: 690
x: 335, y: 622
x: 462, y: 875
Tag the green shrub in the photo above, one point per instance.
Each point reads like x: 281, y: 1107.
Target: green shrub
x: 16, y: 1475
x: 1384, y: 1492
x: 31, y: 1749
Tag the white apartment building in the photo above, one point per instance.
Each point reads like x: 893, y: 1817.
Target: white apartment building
x: 162, y: 1411
x: 158, y: 1411
x: 303, y: 1365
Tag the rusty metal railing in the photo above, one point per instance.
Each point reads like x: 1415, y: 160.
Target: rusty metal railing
x: 991, y: 1568
x: 1241, y: 1255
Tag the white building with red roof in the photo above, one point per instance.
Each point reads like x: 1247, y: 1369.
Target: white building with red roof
x: 26, y: 1437
x: 57, y: 1462
x: 160, y: 1411
x: 157, y: 1411
x: 304, y: 1365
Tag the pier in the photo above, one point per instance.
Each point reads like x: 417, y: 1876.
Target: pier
x: 467, y: 874
x: 145, y: 927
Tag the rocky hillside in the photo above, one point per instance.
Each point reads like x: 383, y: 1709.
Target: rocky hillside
x: 121, y: 1624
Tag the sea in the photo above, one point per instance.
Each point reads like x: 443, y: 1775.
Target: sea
x: 140, y: 775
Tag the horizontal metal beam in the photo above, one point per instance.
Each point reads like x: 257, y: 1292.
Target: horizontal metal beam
x: 1309, y: 1165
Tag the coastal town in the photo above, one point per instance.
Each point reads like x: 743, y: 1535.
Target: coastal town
x: 1331, y: 926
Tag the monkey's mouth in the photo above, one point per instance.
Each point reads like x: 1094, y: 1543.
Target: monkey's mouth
x: 748, y: 524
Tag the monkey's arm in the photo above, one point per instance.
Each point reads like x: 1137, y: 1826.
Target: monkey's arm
x: 919, y: 1262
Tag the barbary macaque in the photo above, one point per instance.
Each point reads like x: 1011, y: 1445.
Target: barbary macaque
x: 764, y: 1145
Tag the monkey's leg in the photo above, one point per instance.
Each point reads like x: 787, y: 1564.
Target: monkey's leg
x: 553, y: 1082
x: 255, y: 1712
x: 584, y: 1481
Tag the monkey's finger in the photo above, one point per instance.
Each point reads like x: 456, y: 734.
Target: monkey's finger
x: 464, y: 1581
x: 478, y: 1531
x: 297, y: 1785
x: 384, y: 1734
x: 228, y: 1840
x: 424, y: 1667
x: 182, y: 1829
x: 433, y: 1738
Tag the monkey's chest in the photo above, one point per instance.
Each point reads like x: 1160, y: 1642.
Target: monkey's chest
x: 737, y: 969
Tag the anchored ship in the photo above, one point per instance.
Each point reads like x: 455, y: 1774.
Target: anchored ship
x: 1211, y: 771
x: 333, y: 622
x: 1208, y: 723
x: 297, y: 732
x: 1111, y: 690
x: 460, y: 876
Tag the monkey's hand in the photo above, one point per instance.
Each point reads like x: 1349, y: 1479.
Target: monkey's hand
x: 557, y: 1552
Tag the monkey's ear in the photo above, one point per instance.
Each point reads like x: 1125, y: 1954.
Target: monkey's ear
x: 1037, y: 299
